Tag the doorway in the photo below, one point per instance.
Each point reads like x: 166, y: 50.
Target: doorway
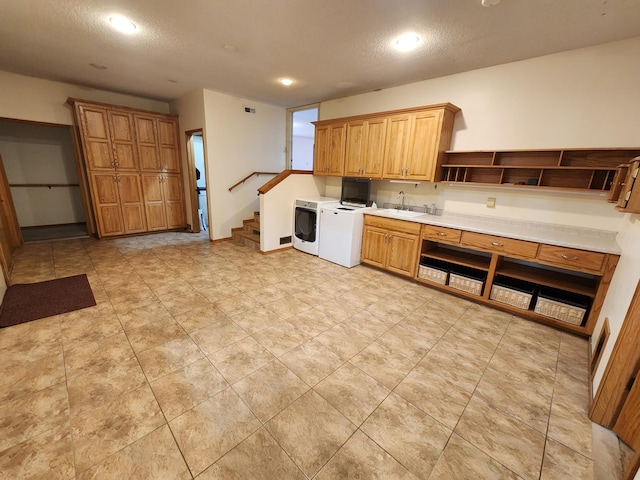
x: 198, y: 181
x: 41, y: 169
x: 301, y: 133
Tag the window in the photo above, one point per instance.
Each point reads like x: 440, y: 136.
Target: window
x: 300, y: 133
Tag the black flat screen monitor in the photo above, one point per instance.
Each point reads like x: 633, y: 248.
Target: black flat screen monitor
x: 356, y: 192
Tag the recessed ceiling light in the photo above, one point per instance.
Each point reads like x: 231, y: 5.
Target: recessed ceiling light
x: 122, y: 24
x: 286, y: 81
x: 407, y: 42
x: 230, y: 48
x: 490, y: 3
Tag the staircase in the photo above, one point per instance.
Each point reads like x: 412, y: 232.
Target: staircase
x: 249, y: 234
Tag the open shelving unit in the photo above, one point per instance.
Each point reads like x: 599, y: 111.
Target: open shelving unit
x: 589, y: 287
x: 570, y: 169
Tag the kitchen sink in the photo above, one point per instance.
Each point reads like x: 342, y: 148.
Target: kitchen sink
x: 401, y: 213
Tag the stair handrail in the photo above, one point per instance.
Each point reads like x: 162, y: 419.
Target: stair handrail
x: 257, y: 174
x: 279, y: 178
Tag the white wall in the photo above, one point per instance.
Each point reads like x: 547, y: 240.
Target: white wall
x: 582, y: 98
x: 39, y: 154
x: 237, y: 144
x: 35, y: 99
x: 190, y: 108
x: 276, y: 208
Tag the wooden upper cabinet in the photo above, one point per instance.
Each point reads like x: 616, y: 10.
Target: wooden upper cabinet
x: 402, y: 144
x: 148, y: 148
x: 365, y: 148
x: 413, y: 146
x: 169, y: 144
x: 123, y: 140
x: 158, y: 144
x: 96, y: 138
x: 329, y: 151
x: 396, y: 150
x: 423, y: 145
x: 108, y: 138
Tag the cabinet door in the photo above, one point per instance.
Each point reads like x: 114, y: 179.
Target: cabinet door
x: 123, y: 140
x: 321, y: 150
x: 169, y: 144
x: 148, y: 147
x: 131, y: 200
x: 335, y: 158
x: 153, y: 201
x: 395, y: 151
x: 374, y: 246
x: 106, y: 203
x: 629, y: 200
x: 423, y: 145
x: 402, y: 255
x: 172, y: 188
x: 96, y: 139
x: 355, y: 153
x: 329, y: 151
x: 374, y: 151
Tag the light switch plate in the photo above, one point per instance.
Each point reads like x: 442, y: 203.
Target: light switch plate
x: 491, y: 202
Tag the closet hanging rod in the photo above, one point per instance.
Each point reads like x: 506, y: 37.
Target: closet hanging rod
x: 48, y: 185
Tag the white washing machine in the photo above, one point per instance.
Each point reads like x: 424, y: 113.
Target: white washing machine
x: 341, y: 234
x: 306, y: 222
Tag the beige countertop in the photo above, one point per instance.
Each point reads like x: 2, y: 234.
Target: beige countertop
x: 603, y: 241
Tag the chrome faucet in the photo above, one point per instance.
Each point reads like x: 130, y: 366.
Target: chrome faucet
x: 401, y: 194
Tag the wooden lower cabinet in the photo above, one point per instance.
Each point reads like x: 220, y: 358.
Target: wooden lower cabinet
x: 555, y: 273
x: 390, y: 248
x: 119, y: 204
x: 163, y: 200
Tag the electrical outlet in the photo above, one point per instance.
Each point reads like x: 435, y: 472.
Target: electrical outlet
x: 491, y: 202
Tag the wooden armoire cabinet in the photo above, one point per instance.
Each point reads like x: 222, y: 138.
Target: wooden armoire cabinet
x: 133, y: 168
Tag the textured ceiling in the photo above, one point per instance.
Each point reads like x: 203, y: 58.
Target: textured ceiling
x: 333, y: 48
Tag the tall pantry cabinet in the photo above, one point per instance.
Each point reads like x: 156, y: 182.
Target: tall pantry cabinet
x: 132, y: 162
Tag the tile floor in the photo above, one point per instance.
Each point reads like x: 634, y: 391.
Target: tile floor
x: 211, y: 361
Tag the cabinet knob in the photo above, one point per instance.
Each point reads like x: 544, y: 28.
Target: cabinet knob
x: 569, y: 257
x: 497, y: 244
x: 442, y: 234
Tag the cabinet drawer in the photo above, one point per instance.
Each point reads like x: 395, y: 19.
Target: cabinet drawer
x: 505, y: 246
x: 572, y: 258
x: 392, y: 224
x: 441, y: 234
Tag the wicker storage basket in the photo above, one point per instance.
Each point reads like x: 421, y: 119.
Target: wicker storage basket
x: 433, y: 274
x: 469, y: 283
x: 508, y: 292
x: 560, y: 310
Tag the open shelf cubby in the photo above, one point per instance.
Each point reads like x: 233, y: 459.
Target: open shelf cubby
x: 570, y: 169
x: 538, y: 274
x: 456, y: 255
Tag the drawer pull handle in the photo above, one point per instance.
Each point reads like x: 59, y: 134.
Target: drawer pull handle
x: 442, y: 234
x: 569, y: 257
x: 497, y: 244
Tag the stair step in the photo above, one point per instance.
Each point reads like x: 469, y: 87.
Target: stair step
x: 251, y: 226
x: 247, y: 239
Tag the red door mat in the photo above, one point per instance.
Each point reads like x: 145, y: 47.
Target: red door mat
x: 32, y: 301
